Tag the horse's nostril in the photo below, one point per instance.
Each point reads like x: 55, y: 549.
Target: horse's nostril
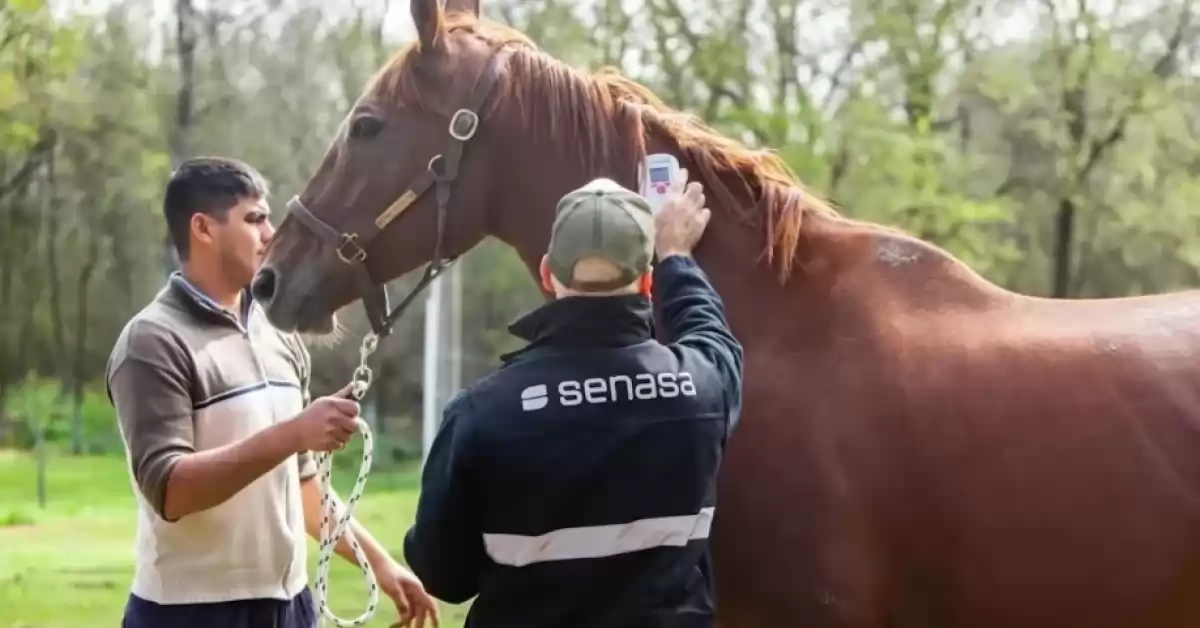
x: 263, y: 286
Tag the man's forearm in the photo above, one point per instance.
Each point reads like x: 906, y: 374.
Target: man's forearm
x: 310, y: 491
x: 375, y: 553
x: 204, y: 479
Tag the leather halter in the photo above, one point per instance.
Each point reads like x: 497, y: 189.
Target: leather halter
x: 351, y: 247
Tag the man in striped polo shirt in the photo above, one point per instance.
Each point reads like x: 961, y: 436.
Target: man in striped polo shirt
x: 214, y: 409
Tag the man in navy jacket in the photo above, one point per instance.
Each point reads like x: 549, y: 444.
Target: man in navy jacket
x: 575, y: 486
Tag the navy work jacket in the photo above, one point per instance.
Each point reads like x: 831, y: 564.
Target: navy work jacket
x: 575, y: 486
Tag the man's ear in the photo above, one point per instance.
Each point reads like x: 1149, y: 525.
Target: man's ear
x: 646, y: 284
x: 201, y: 228
x: 544, y: 272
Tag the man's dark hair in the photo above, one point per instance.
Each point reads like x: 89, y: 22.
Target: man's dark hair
x: 210, y: 186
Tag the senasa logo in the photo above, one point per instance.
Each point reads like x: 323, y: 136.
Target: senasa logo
x: 597, y: 390
x: 534, y: 398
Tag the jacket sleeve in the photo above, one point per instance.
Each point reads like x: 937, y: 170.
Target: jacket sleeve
x: 694, y: 316
x: 444, y: 547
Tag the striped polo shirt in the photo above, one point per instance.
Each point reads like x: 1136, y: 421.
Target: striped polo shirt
x: 187, y: 375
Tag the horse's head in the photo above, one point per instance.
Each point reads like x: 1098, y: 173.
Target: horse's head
x: 377, y: 206
x: 392, y: 192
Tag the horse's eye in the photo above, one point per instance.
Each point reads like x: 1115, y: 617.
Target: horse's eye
x: 365, y: 127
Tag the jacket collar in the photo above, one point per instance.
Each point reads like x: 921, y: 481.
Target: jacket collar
x: 585, y: 323
x: 185, y: 294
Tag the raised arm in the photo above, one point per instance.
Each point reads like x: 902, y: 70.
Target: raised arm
x: 693, y: 312
x: 694, y: 316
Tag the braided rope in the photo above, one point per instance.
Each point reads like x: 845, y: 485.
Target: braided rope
x: 331, y: 534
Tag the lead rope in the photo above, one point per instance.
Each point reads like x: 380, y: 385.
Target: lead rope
x: 329, y: 537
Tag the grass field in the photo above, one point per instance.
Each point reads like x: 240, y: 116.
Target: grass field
x: 69, y: 566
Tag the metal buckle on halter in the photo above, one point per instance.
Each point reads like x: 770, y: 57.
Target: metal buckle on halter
x: 471, y: 117
x: 359, y: 254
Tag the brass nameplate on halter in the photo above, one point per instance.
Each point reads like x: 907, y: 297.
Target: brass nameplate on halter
x: 396, y: 209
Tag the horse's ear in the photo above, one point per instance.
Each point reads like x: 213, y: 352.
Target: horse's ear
x: 427, y: 17
x: 466, y: 6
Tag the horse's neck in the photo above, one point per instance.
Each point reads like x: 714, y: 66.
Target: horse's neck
x: 844, y: 272
x: 855, y: 264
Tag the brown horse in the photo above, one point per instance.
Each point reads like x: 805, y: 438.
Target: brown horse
x: 919, y: 448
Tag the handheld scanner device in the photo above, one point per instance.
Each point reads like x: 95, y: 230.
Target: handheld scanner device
x: 658, y: 171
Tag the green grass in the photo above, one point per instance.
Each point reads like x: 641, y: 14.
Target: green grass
x: 69, y: 565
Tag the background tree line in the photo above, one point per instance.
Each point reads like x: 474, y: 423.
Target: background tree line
x: 1054, y: 145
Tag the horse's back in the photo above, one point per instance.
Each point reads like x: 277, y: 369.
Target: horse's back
x: 1060, y: 444
x: 1036, y: 464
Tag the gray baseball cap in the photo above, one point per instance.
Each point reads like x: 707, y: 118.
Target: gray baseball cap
x: 604, y: 220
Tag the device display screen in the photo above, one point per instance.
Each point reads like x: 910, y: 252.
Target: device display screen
x: 660, y: 175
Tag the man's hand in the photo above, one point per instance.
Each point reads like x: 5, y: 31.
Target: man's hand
x: 203, y: 479
x: 682, y: 220
x: 413, y: 604
x: 326, y: 424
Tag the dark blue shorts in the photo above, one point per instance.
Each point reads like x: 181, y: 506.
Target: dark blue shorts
x: 299, y: 612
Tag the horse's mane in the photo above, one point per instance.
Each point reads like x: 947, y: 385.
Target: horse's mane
x: 602, y: 108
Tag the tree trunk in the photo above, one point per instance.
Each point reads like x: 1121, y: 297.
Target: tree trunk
x: 185, y: 100
x: 8, y: 313
x: 1064, y: 240
x: 80, y: 355
x: 185, y: 97
x: 14, y: 272
x: 52, y: 234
